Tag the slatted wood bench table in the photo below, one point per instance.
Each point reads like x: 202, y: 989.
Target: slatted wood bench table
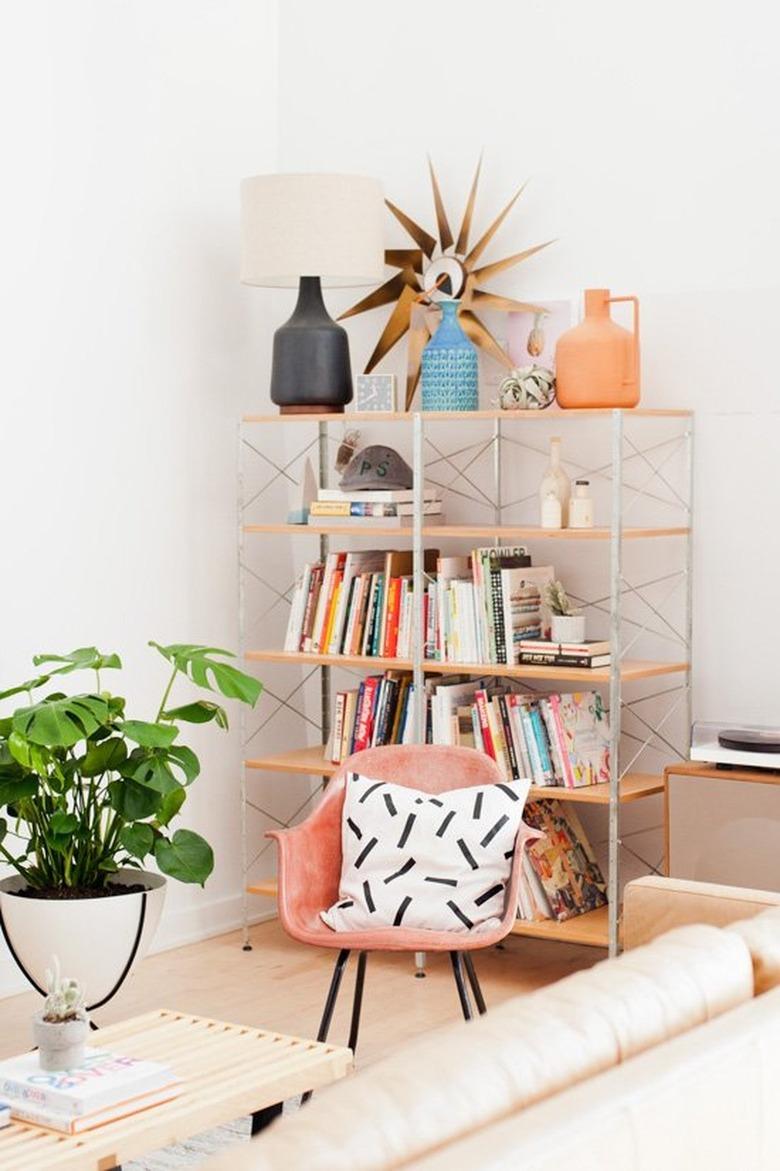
x: 227, y: 1071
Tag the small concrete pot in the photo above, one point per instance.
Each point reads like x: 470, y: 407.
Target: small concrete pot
x: 568, y: 627
x: 61, y: 1044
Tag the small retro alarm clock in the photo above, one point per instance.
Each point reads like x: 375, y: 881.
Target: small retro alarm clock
x: 375, y: 392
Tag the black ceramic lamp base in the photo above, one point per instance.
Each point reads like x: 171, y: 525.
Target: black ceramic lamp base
x: 311, y: 372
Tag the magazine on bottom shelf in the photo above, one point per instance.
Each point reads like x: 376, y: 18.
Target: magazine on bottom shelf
x: 561, y: 877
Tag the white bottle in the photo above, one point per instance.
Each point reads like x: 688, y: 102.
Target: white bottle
x: 555, y: 480
x: 551, y: 511
x: 581, y: 506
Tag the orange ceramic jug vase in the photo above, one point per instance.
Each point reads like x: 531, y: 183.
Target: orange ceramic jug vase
x: 597, y: 362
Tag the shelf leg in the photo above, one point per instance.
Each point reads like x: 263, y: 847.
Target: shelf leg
x: 615, y: 695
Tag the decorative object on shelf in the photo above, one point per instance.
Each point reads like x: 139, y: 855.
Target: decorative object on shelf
x: 568, y: 624
x: 377, y: 466
x: 61, y: 1029
x: 597, y: 361
x: 581, y: 506
x: 530, y: 388
x: 346, y: 449
x: 532, y: 336
x: 555, y: 482
x: 551, y: 510
x: 450, y: 367
x: 92, y: 794
x: 309, y: 231
x: 445, y: 267
x: 376, y: 392
x: 300, y: 515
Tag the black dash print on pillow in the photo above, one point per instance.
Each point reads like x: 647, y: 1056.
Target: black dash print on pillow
x: 357, y: 831
x: 441, y: 881
x: 407, y: 866
x: 509, y: 854
x: 442, y: 828
x: 489, y: 894
x: 391, y: 809
x: 478, y: 806
x: 436, y: 801
x: 467, y: 854
x: 511, y: 794
x: 406, y: 830
x: 364, y: 853
x: 368, y: 897
x: 371, y: 789
x: 457, y: 911
x: 418, y: 800
x: 401, y: 911
x: 347, y: 903
x: 491, y: 833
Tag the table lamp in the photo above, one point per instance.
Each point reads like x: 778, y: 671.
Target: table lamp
x: 310, y: 231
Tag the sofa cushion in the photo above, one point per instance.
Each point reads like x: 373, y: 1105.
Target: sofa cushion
x: 469, y: 1075
x: 762, y: 936
x: 653, y: 905
x: 413, y: 859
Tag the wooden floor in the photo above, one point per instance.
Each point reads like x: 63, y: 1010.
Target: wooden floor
x: 281, y: 985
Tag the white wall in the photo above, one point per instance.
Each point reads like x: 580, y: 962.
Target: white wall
x: 129, y: 348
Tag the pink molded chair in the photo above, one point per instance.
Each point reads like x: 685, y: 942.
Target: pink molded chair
x: 310, y: 870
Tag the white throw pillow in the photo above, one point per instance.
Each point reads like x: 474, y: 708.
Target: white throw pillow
x: 410, y: 859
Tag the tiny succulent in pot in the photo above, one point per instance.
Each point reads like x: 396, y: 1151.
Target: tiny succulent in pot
x: 64, y: 997
x: 558, y: 600
x: 61, y: 1028
x: 88, y: 791
x: 568, y: 623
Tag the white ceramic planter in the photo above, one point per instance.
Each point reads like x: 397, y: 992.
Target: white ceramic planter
x: 92, y: 937
x: 568, y: 627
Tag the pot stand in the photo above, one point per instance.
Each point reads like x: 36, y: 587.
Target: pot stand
x: 124, y: 973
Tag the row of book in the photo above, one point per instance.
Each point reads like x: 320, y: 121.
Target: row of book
x: 555, y: 739
x: 107, y: 1086
x: 372, y: 508
x: 560, y: 876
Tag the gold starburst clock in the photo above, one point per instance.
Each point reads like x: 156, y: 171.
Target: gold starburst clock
x: 443, y: 267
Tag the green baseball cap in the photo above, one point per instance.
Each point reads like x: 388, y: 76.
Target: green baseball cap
x: 375, y: 467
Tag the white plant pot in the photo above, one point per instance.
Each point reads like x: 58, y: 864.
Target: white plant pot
x: 61, y: 1044
x: 92, y: 937
x: 568, y: 627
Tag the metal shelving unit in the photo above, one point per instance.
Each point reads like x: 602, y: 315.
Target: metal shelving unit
x: 508, y: 433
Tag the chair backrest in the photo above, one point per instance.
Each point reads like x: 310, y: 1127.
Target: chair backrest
x: 432, y: 768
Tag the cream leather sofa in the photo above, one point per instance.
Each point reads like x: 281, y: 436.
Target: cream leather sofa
x: 664, y: 1059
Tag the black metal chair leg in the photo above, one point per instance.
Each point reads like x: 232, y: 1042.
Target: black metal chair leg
x: 330, y: 1003
x: 479, y: 999
x: 457, y: 971
x: 357, y: 1001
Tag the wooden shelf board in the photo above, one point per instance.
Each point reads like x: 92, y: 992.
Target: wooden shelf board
x: 435, y: 416
x: 591, y: 929
x: 630, y: 669
x: 312, y: 762
x: 300, y: 658
x: 462, y: 532
x: 268, y: 887
x: 710, y: 772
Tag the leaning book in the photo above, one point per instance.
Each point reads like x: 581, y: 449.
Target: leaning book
x: 104, y: 1080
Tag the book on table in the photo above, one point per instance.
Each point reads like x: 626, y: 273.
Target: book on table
x: 105, y: 1087
x: 5, y: 1114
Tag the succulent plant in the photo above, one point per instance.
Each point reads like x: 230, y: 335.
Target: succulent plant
x: 65, y: 997
x: 529, y: 388
x: 558, y: 600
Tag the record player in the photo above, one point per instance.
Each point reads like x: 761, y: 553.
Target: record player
x: 731, y: 745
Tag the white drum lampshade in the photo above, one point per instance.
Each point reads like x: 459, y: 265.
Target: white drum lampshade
x: 310, y: 231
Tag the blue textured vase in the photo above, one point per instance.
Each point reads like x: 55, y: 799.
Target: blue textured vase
x: 450, y: 368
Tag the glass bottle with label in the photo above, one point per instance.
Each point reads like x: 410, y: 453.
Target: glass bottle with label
x: 581, y: 506
x: 555, y: 480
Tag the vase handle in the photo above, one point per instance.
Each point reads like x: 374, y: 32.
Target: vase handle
x: 632, y: 378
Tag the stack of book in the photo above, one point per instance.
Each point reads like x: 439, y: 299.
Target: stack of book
x: 106, y: 1087
x: 379, y: 711
x: 5, y: 1115
x: 373, y: 509
x: 356, y: 603
x: 560, y: 876
x: 591, y: 653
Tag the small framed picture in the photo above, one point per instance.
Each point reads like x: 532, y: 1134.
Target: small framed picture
x: 532, y: 336
x: 375, y: 392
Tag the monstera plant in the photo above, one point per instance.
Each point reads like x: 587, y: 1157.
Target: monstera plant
x: 87, y: 789
x: 89, y: 794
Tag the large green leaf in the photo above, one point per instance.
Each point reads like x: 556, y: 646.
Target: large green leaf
x: 154, y: 772
x: 171, y: 804
x: 85, y: 658
x: 184, y: 758
x: 204, y: 670
x: 104, y: 757
x: 186, y: 856
x: 62, y: 822
x: 137, y: 839
x: 198, y: 712
x: 28, y: 685
x: 61, y: 722
x: 31, y: 757
x: 134, y: 802
x: 12, y: 792
x: 149, y: 735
